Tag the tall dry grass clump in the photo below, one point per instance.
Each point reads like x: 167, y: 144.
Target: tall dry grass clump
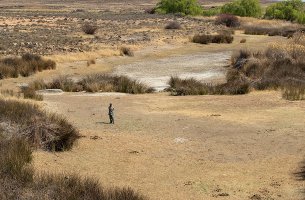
x: 26, y: 65
x: 40, y: 128
x: 191, y: 86
x: 95, y: 83
x: 18, y: 179
x: 279, y: 67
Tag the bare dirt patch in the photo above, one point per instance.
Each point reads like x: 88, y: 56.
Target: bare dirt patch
x: 253, y: 146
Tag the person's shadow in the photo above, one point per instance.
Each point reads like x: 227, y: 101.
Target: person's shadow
x: 102, y: 123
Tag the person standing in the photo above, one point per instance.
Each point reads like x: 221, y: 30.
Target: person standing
x: 111, y: 113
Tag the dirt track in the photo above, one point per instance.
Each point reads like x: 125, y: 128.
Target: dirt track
x: 186, y: 147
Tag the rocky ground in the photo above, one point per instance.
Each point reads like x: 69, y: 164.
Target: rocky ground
x: 58, y: 29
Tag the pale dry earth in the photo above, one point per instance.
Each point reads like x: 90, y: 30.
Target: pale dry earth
x: 195, y: 147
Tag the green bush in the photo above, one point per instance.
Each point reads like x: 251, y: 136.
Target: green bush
x: 211, y: 11
x: 291, y: 10
x: 243, y: 8
x: 185, y: 7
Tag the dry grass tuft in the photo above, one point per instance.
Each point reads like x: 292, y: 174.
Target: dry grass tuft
x: 91, y: 62
x: 41, y: 129
x: 191, y: 86
x: 25, y: 66
x: 126, y: 51
x: 30, y: 93
x: 95, y: 83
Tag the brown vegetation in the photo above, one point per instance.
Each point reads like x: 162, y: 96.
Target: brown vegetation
x: 89, y: 28
x: 26, y: 65
x: 280, y: 66
x: 236, y: 85
x: 17, y: 179
x: 40, y: 128
x: 227, y: 20
x: 271, y: 31
x: 30, y: 93
x: 95, y: 83
x: 173, y: 25
x: 219, y: 38
x: 126, y: 51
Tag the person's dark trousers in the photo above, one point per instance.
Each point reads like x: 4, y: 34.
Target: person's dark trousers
x: 111, y: 119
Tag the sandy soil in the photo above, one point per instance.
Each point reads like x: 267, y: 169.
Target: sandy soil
x: 203, y: 147
x: 186, y: 147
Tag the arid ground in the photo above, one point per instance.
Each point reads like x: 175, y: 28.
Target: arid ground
x: 166, y: 147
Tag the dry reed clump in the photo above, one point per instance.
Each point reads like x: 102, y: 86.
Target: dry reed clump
x: 95, y: 83
x: 191, y: 86
x: 30, y: 93
x: 39, y: 128
x: 279, y: 67
x: 15, y: 160
x: 18, y: 179
x: 219, y: 38
x: 25, y: 66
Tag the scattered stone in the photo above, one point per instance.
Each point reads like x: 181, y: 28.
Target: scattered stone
x: 215, y: 115
x: 223, y: 195
x: 50, y: 91
x: 256, y: 197
x: 188, y: 183
x: 180, y: 140
x: 95, y: 137
x: 134, y: 152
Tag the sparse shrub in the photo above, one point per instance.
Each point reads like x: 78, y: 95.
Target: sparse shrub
x: 243, y: 40
x: 30, y: 93
x: 150, y: 10
x: 173, y: 25
x: 285, y: 31
x: 227, y: 20
x: 219, y: 38
x: 89, y: 28
x: 202, y: 39
x: 126, y: 51
x: 243, y: 8
x: 27, y: 65
x: 185, y: 7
